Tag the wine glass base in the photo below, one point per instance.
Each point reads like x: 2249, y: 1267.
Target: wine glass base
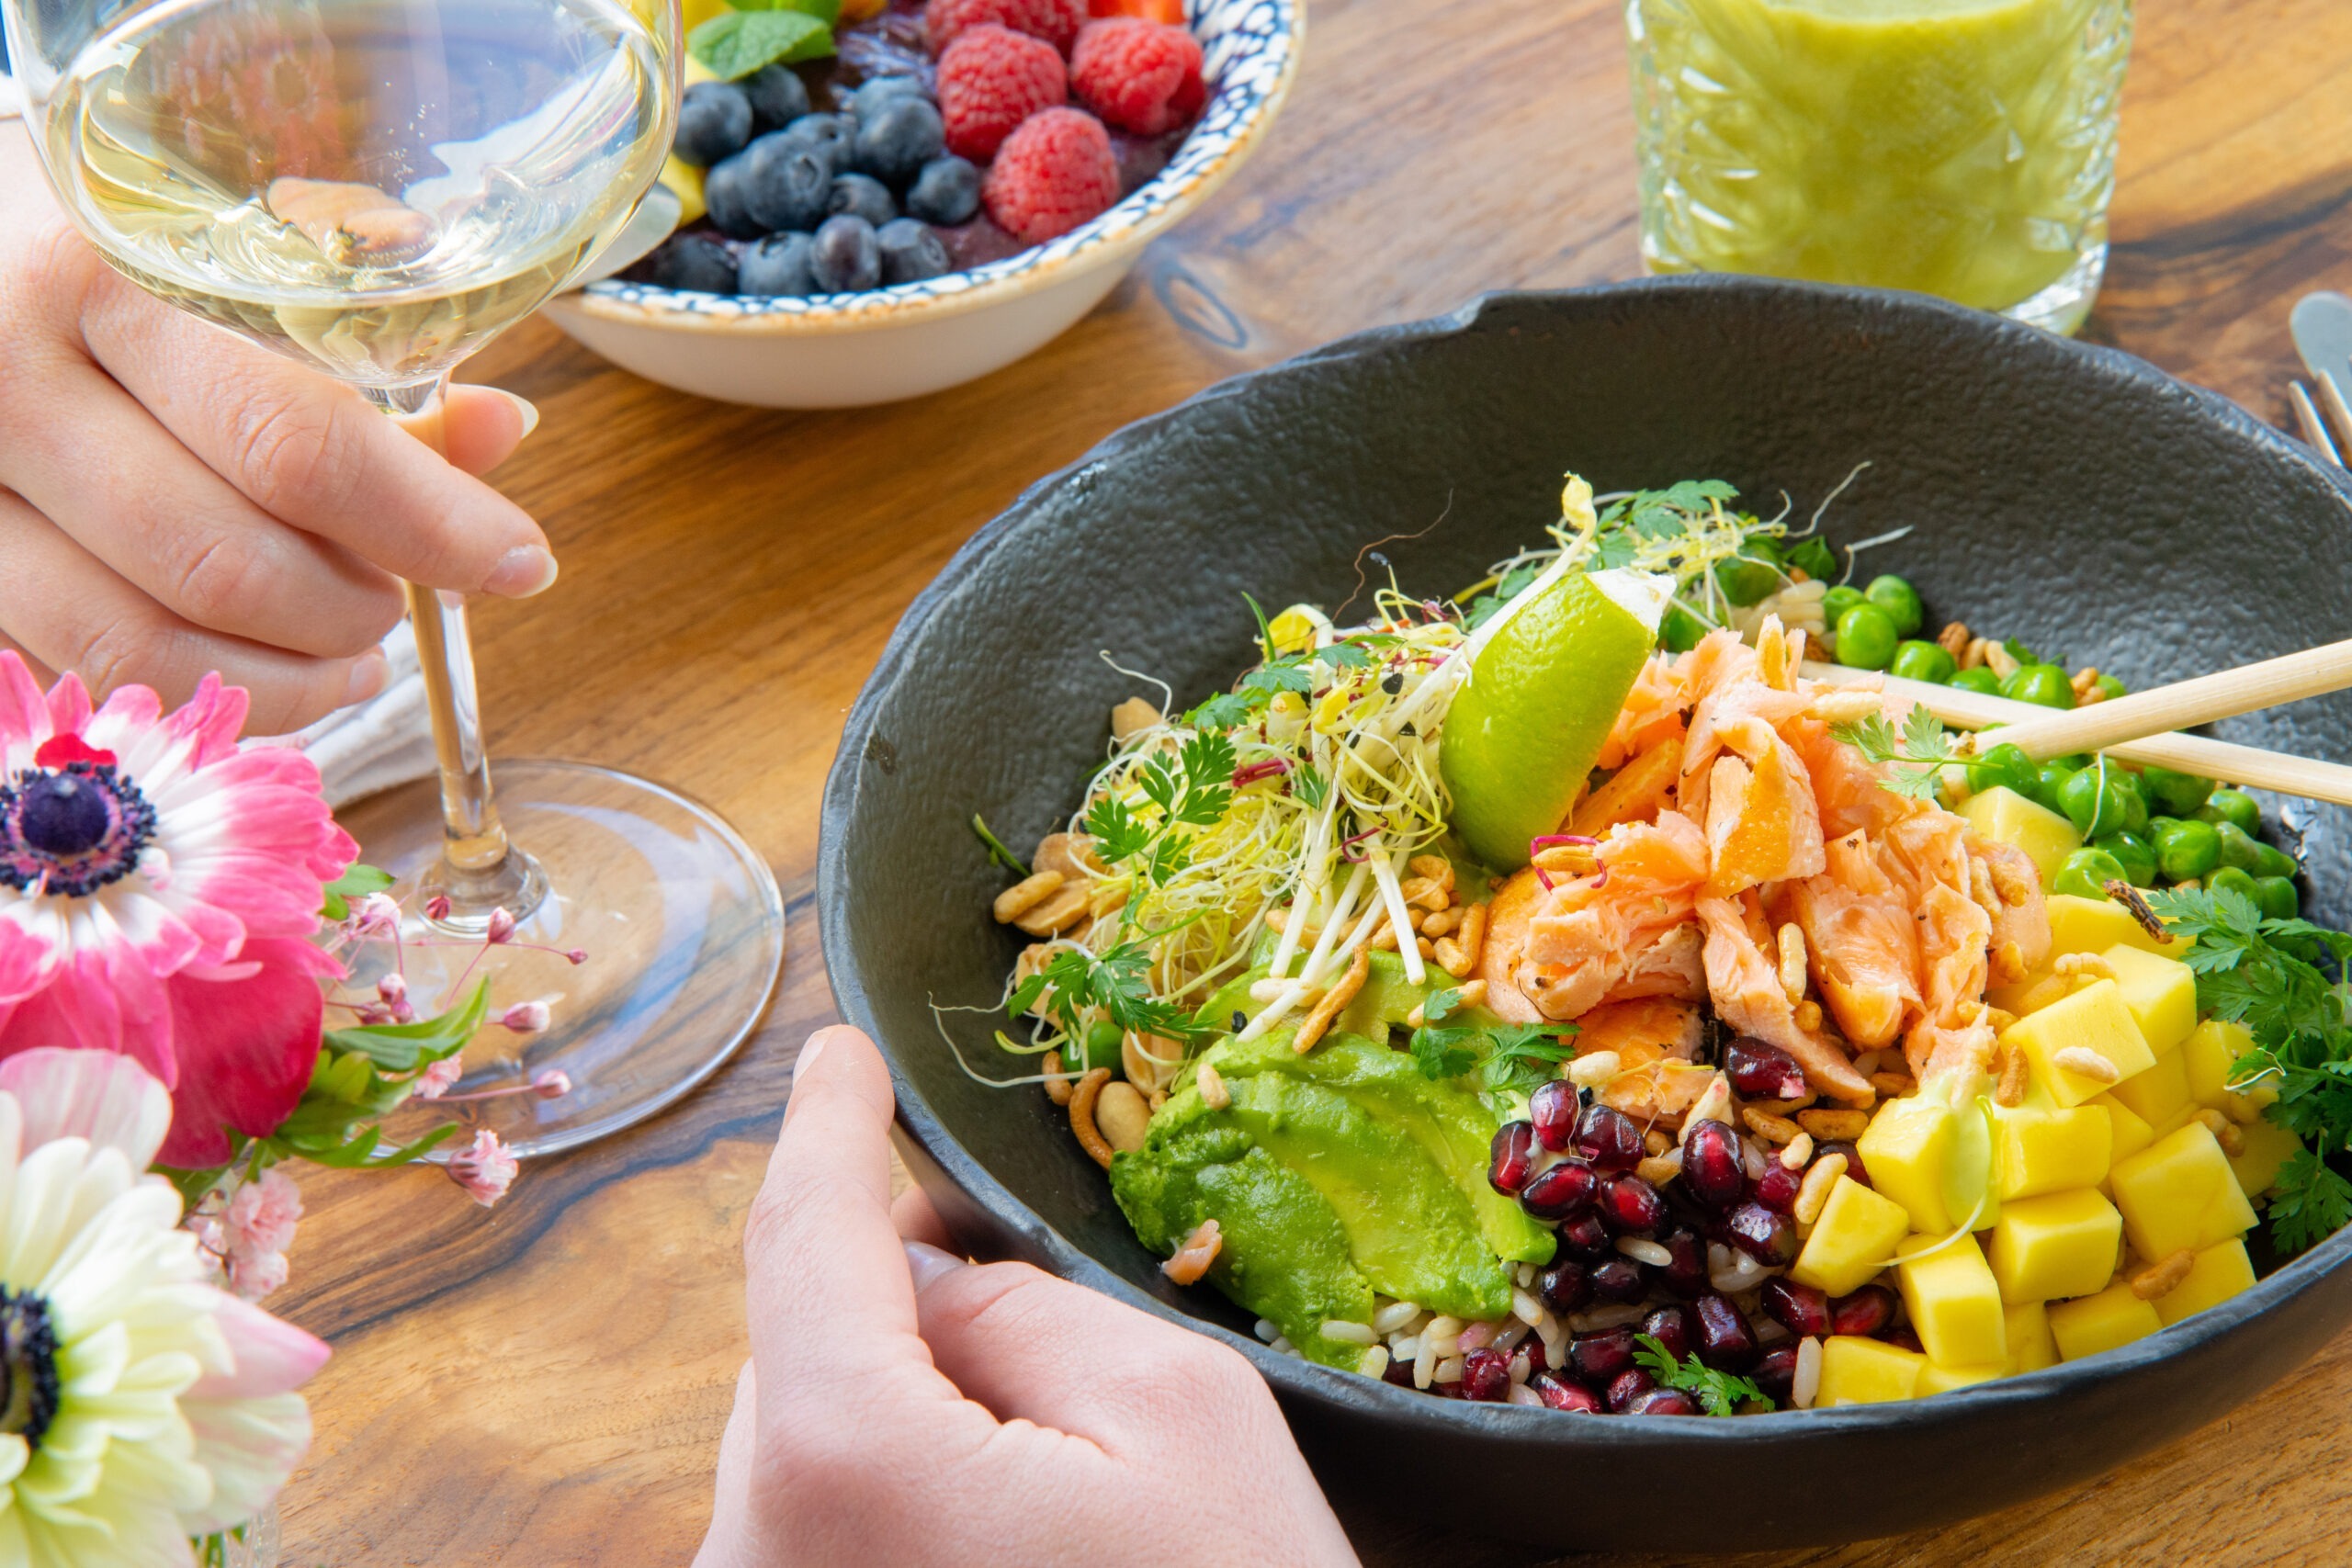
x: 680, y: 921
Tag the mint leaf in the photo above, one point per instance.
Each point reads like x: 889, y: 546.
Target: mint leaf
x: 826, y: 11
x: 736, y: 43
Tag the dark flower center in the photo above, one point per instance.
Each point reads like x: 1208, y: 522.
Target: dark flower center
x: 28, y: 1389
x: 72, y: 830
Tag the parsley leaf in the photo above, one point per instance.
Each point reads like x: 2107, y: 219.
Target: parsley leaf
x: 1523, y: 1057
x: 1119, y: 983
x: 2311, y: 1202
x: 1443, y: 1053
x: 1720, y: 1394
x: 1927, y: 746
x: 1512, y: 1057
x: 1440, y: 1003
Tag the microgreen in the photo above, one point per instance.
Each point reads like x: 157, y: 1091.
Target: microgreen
x: 1508, y: 1059
x: 997, y: 852
x: 1926, y: 747
x: 1719, y: 1394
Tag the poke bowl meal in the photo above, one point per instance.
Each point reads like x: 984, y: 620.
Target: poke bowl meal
x: 1498, y: 966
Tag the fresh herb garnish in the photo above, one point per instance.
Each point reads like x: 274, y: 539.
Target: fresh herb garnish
x: 733, y: 44
x: 1719, y: 1394
x: 1512, y: 1057
x: 997, y: 852
x: 1191, y: 790
x: 1119, y: 983
x: 1926, y: 747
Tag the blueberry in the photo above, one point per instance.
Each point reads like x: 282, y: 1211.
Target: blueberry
x: 910, y: 252
x: 947, y: 192
x: 867, y: 101
x: 845, y: 256
x: 898, y: 138
x: 786, y: 184
x: 723, y: 193
x: 694, y: 260
x: 778, y: 266
x: 862, y: 197
x: 827, y: 135
x: 714, y: 121
x: 777, y: 97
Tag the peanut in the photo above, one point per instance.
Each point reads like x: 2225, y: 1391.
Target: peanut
x: 2081, y: 966
x: 1808, y: 1015
x: 2225, y: 1131
x: 1057, y: 914
x: 1214, y: 1094
x: 2086, y: 1062
x: 1812, y: 1192
x: 2161, y: 1279
x: 1793, y: 961
x: 1334, y: 1001
x: 1131, y: 718
x: 1025, y: 895
x: 1798, y: 1153
x: 1893, y: 1086
x: 1081, y: 1115
x: 1778, y: 1131
x: 1437, y: 868
x: 1442, y: 922
x: 1122, y: 1115
x: 1955, y: 639
x: 1149, y: 1060
x: 1659, y: 1169
x: 1835, y: 1126
x: 1424, y: 893
x: 1057, y: 1086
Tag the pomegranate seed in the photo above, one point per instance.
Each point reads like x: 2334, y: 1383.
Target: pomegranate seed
x: 1710, y: 1163
x: 1762, y: 1072
x: 1725, y: 1342
x: 1566, y: 1287
x: 1768, y: 1237
x: 1512, y: 1157
x: 1485, y: 1376
x: 1854, y: 1166
x: 1628, y: 1386
x: 1777, y: 1188
x: 1399, y: 1373
x: 1585, y: 1236
x: 1447, y: 1389
x: 1563, y: 1190
x: 1619, y: 1281
x: 1664, y: 1402
x: 1597, y: 1358
x: 1865, y: 1311
x: 1670, y: 1327
x: 1609, y: 1139
x: 1632, y: 1206
x: 1532, y: 1348
x: 1687, y: 1275
x: 1553, y: 1107
x: 1800, y: 1308
x: 1561, y: 1394
x: 1903, y: 1337
x: 1776, y: 1374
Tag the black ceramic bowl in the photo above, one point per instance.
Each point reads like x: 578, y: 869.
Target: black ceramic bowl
x: 2065, y: 494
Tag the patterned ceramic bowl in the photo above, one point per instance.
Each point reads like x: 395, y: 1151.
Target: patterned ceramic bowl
x: 843, y: 350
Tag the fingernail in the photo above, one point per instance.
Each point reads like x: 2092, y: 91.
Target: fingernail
x: 927, y: 1263
x: 521, y: 572
x: 370, y: 673
x: 528, y: 410
x: 809, y: 1054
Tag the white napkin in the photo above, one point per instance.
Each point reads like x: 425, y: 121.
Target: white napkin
x: 373, y: 745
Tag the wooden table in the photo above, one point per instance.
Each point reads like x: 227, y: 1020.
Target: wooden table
x: 545, y: 1384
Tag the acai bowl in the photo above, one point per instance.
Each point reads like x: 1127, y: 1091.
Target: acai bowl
x: 999, y: 297
x: 994, y: 697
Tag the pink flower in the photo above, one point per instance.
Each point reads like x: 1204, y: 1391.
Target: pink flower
x: 526, y: 1018
x: 485, y: 1168
x: 256, y: 1229
x: 440, y: 1078
x: 157, y: 886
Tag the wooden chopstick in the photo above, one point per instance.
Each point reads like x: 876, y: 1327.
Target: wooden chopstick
x: 2197, y: 754
x: 2159, y: 709
x: 2315, y: 433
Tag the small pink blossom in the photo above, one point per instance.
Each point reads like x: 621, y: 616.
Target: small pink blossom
x: 440, y: 1078
x: 526, y: 1017
x: 485, y: 1168
x: 438, y: 907
x: 553, y: 1084
x: 378, y: 914
x: 254, y: 1231
x: 502, y: 926
x: 393, y: 986
x: 250, y: 1278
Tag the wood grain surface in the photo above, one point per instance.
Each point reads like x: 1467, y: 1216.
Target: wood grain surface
x: 545, y: 1384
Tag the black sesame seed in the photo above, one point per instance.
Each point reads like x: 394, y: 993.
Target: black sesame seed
x: 1240, y: 1020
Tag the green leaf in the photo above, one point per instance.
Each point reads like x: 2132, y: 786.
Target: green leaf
x: 997, y: 852
x: 1272, y: 678
x: 1118, y: 835
x: 404, y: 1046
x: 356, y: 881
x: 736, y: 43
x: 1720, y: 1394
x: 1440, y: 1004
x: 826, y: 11
x: 1521, y: 1057
x: 2312, y: 1203
x: 1441, y: 1052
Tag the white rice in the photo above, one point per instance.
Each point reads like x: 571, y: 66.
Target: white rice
x: 1346, y: 1332
x: 1806, y: 1386
x: 1393, y: 1316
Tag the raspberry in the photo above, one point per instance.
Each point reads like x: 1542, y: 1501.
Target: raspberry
x: 991, y: 79
x: 1051, y: 176
x: 1140, y: 76
x: 1055, y: 21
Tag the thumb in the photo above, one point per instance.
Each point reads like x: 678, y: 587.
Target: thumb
x: 482, y: 425
x: 733, y: 1540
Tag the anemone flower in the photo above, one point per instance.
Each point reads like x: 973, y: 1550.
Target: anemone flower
x: 144, y: 1406
x: 157, y: 890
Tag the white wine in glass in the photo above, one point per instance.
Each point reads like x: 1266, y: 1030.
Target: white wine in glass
x: 376, y: 188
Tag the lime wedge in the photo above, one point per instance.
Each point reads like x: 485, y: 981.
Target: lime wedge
x: 1543, y: 692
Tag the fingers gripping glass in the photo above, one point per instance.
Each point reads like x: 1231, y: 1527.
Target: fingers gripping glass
x: 376, y: 188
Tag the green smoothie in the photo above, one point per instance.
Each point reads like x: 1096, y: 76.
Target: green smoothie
x: 1964, y: 147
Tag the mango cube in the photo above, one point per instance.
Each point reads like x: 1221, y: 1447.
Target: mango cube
x: 2131, y: 1130
x: 2160, y: 992
x: 1954, y: 1303
x: 2026, y: 1326
x: 2180, y: 1193
x: 2114, y: 1316
x: 2210, y: 1054
x: 2267, y: 1147
x: 1867, y: 1371
x: 1853, y: 1240
x: 2219, y: 1273
x: 2056, y: 1246
x: 2039, y: 1148
x: 2161, y: 1093
x: 2005, y: 816
x: 1935, y: 1379
x: 1907, y: 1150
x: 2033, y: 992
x: 2094, y: 925
x: 2093, y: 1018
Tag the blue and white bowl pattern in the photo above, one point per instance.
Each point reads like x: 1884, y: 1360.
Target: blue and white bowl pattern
x: 1247, y: 49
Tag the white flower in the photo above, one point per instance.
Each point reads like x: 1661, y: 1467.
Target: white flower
x: 143, y: 1406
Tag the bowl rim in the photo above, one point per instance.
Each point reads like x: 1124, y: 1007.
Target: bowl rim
x: 1349, y: 1392
x: 1130, y: 223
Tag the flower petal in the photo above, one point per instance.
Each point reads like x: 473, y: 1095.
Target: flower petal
x: 250, y: 1446
x: 272, y: 1356
x: 110, y: 1100
x: 244, y: 1047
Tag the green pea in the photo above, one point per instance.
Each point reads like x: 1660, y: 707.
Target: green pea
x: 1745, y: 580
x: 2043, y: 683
x: 2271, y: 861
x: 1977, y: 680
x: 2174, y: 794
x: 1899, y: 600
x: 2186, y: 850
x: 2240, y: 849
x: 2096, y: 805
x: 1866, y: 637
x: 2075, y: 758
x: 2110, y: 686
x: 1917, y: 660
x: 1680, y: 630
x: 1815, y: 559
x: 2049, y: 780
x: 2231, y: 879
x: 2233, y: 805
x: 2135, y: 804
x: 2086, y: 873
x: 2133, y: 855
x: 1102, y: 1047
x: 2004, y: 766
x: 2277, y: 899
x: 1840, y: 600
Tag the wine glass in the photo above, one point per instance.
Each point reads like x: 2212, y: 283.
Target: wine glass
x: 376, y: 188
